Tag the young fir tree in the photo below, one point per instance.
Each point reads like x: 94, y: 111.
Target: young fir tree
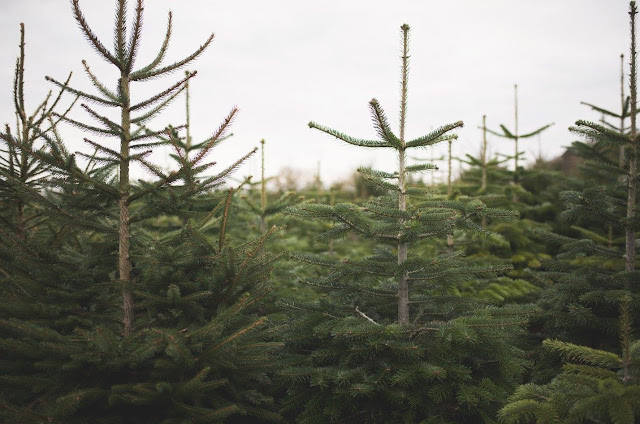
x: 602, y: 214
x: 17, y: 168
x: 266, y: 209
x: 622, y: 127
x: 179, y: 205
x: 485, y: 180
x: 485, y: 170
x: 594, y: 299
x: 164, y: 331
x: 390, y: 343
x: 535, y: 198
x: 516, y: 136
x: 613, y: 156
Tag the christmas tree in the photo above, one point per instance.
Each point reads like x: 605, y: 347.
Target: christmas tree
x: 152, y: 327
x: 592, y: 301
x: 390, y: 342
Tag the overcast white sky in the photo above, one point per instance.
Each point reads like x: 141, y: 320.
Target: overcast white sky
x: 286, y: 62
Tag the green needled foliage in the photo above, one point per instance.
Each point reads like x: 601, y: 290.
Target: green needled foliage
x: 389, y: 340
x: 172, y: 333
x: 21, y: 173
x: 592, y: 297
x: 594, y: 386
x: 133, y: 143
x: 598, y: 265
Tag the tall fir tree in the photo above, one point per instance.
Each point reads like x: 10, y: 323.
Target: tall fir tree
x: 166, y: 330
x: 594, y: 297
x: 389, y: 342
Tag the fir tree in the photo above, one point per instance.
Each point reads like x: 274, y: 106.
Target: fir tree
x: 194, y: 352
x: 593, y: 299
x: 265, y: 210
x: 389, y: 342
x: 18, y: 169
x: 489, y: 168
x: 622, y: 127
x: 596, y: 272
x: 132, y: 141
x: 516, y: 136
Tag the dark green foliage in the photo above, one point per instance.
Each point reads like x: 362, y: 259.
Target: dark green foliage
x: 20, y: 173
x: 390, y: 341
x: 595, y: 386
x: 592, y: 295
x: 596, y: 263
x: 194, y: 347
x: 352, y: 370
x: 151, y: 301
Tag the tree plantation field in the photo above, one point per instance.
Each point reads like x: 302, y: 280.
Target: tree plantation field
x: 178, y: 291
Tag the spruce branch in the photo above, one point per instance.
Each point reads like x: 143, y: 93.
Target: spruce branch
x: 99, y: 85
x: 90, y: 97
x: 348, y: 139
x: 163, y: 49
x: 538, y: 131
x: 179, y: 85
x: 93, y: 39
x: 225, y: 216
x: 141, y: 76
x: 436, y: 136
x: 113, y: 126
x: 90, y: 128
x: 217, y: 136
x: 134, y: 40
x: 601, y: 110
x: 382, y: 124
x: 153, y: 112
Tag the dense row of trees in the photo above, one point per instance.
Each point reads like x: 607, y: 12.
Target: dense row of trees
x: 507, y: 294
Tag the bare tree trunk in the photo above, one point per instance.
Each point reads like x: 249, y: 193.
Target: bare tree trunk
x: 449, y: 161
x: 622, y: 116
x: 483, y: 155
x: 21, y: 231
x: 517, y: 136
x: 21, y: 228
x: 483, y: 158
x: 186, y: 88
x: 630, y: 243
x: 403, y: 284
x: 263, y: 193
x: 124, y: 233
x: 449, y: 191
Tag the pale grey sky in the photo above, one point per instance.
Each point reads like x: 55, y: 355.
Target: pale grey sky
x: 286, y: 62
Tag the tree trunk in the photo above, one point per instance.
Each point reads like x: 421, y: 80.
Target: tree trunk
x: 630, y: 254
x: 403, y: 284
x: 124, y: 233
